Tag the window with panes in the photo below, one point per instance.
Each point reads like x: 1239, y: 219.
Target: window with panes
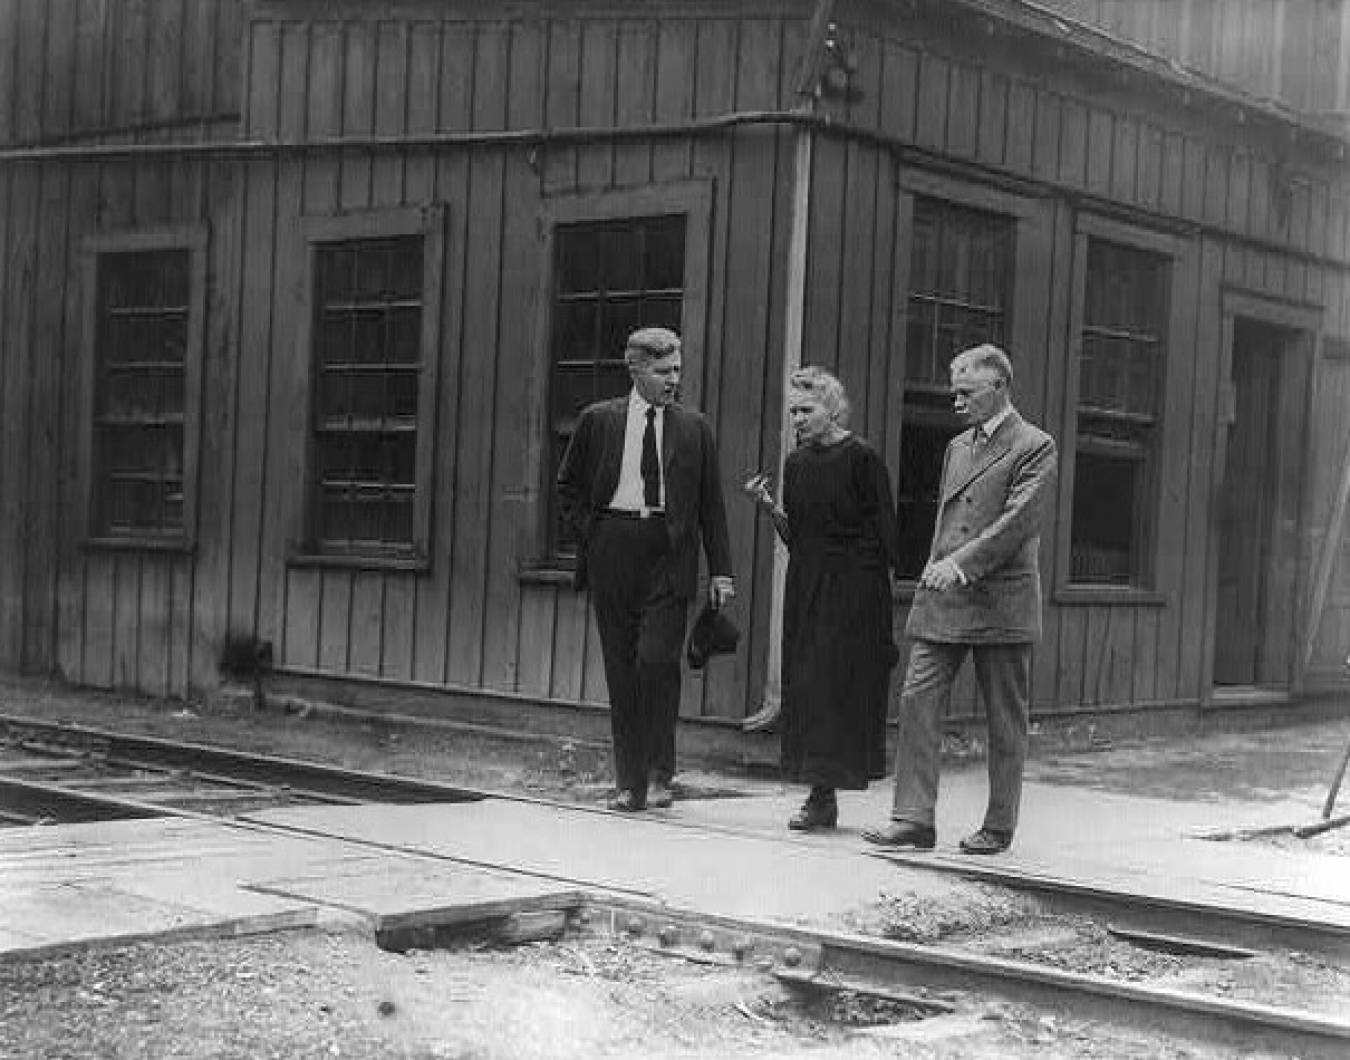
x: 367, y: 335
x: 1119, y: 379
x: 140, y: 393
x: 960, y: 293
x: 610, y: 278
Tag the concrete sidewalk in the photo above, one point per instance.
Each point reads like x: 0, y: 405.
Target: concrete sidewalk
x: 79, y: 884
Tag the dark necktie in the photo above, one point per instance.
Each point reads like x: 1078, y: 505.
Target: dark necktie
x: 651, y: 465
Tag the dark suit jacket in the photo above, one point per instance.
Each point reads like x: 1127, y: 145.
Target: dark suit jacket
x: 694, y: 506
x: 989, y: 518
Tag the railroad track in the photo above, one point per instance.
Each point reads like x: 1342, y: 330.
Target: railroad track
x: 51, y: 773
x: 58, y: 773
x: 937, y: 980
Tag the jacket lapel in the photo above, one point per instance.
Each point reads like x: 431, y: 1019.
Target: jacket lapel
x: 670, y: 447
x: 611, y: 460
x: 973, y: 464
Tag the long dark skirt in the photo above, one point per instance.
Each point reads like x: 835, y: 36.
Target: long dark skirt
x: 838, y: 653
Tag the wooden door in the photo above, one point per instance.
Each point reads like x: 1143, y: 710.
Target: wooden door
x: 1252, y: 623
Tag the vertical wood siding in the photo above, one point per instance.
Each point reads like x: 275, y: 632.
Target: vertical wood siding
x: 471, y: 621
x: 155, y: 622
x: 1289, y: 50
x: 78, y: 67
x: 1331, y: 448
x: 1113, y: 146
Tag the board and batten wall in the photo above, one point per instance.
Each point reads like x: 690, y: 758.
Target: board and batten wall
x: 1240, y: 213
x: 78, y: 68
x: 1295, y: 51
x: 476, y: 619
x: 155, y: 622
x: 75, y: 72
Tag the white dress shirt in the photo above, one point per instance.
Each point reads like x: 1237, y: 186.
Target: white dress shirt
x: 629, y: 494
x: 989, y: 426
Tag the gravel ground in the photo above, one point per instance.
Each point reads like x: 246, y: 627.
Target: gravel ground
x: 322, y: 995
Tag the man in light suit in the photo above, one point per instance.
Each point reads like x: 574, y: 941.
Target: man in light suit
x: 640, y: 484
x: 979, y: 595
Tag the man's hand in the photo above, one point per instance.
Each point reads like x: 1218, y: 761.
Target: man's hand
x: 721, y: 589
x: 941, y: 576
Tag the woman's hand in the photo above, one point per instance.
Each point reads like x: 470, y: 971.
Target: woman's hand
x: 758, y: 490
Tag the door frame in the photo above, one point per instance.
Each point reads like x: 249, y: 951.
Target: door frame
x: 1304, y: 318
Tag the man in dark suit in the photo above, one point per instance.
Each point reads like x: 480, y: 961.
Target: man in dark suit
x: 640, y: 484
x: 978, y: 595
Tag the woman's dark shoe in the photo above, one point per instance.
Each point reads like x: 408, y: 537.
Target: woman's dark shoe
x: 659, y: 796
x: 816, y: 814
x: 625, y: 801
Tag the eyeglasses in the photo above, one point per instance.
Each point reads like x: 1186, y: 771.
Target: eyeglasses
x: 965, y: 393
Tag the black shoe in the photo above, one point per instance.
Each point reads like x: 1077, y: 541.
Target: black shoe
x: 659, y: 796
x: 986, y: 841
x: 902, y: 834
x: 626, y: 801
x: 815, y: 815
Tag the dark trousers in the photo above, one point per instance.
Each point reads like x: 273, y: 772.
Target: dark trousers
x: 641, y: 623
x: 1003, y: 674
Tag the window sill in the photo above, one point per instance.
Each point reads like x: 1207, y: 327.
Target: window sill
x: 409, y: 562
x: 176, y: 545
x: 1107, y: 595
x: 544, y: 574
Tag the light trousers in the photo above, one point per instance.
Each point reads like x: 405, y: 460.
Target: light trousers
x: 1003, y: 674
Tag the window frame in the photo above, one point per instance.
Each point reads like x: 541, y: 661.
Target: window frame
x: 1032, y: 219
x: 1172, y: 250
x: 693, y: 199
x: 194, y: 240
x: 429, y: 222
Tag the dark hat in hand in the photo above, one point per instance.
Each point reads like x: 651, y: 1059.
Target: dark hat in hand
x: 713, y: 634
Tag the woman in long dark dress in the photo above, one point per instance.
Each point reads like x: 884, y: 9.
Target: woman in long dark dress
x: 838, y: 522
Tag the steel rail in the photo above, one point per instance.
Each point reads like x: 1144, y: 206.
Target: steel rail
x: 34, y: 802
x: 294, y: 775
x: 1153, y: 912
x: 822, y: 959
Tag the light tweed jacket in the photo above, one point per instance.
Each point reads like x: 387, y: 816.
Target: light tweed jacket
x: 989, y: 519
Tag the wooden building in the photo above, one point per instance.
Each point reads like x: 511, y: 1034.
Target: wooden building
x: 298, y: 301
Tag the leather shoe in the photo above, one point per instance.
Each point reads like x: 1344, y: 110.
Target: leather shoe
x: 626, y: 801
x: 986, y: 841
x: 902, y: 834
x: 659, y: 796
x: 815, y: 816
